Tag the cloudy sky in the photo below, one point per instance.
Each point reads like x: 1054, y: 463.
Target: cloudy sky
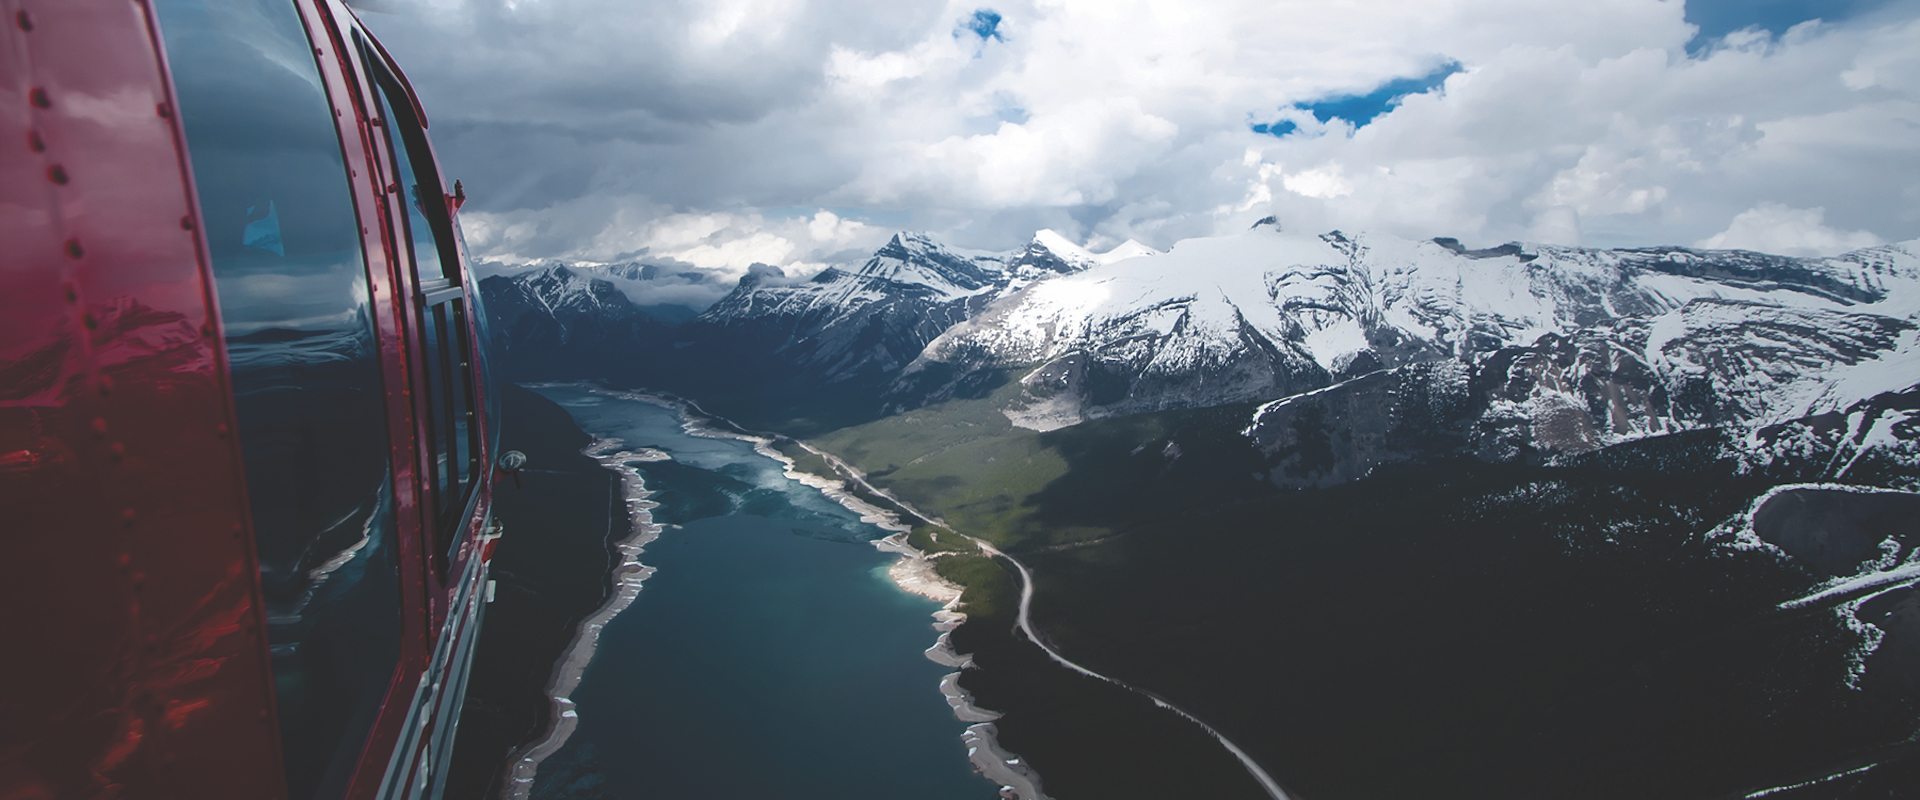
x: 803, y: 132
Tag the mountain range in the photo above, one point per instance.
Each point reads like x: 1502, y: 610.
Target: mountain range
x: 1518, y: 521
x: 1516, y: 351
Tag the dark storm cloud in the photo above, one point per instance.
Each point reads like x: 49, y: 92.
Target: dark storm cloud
x: 719, y: 132
x: 544, y: 100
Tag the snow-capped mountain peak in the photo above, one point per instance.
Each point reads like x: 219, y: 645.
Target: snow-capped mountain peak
x: 1050, y: 253
x: 874, y: 319
x: 915, y: 260
x: 1062, y: 246
x: 1130, y: 248
x: 1268, y: 312
x: 559, y: 286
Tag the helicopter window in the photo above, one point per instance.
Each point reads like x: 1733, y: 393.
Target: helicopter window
x: 447, y: 361
x: 284, y: 241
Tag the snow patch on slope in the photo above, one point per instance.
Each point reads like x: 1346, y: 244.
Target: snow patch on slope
x: 1304, y: 311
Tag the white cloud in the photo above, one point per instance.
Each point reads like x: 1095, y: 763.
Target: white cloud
x: 726, y: 242
x: 1321, y: 182
x: 714, y: 132
x: 832, y: 231
x: 1074, y: 155
x: 1774, y: 228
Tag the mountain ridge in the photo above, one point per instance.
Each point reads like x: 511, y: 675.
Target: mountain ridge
x: 1637, y: 339
x: 1266, y: 314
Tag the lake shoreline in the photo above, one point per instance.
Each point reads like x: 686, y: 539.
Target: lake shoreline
x: 982, y: 737
x: 912, y: 572
x: 625, y: 581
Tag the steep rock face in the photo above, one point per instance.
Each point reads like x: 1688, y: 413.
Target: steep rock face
x: 1323, y: 438
x: 1553, y: 350
x: 867, y: 324
x: 1744, y: 360
x: 558, y: 321
x: 1874, y: 441
x: 851, y: 324
x: 817, y: 348
x: 1567, y: 394
x: 1269, y: 314
x: 1561, y: 395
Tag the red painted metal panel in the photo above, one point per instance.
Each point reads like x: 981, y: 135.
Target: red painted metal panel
x: 138, y: 653
x: 136, y: 658
x: 416, y: 318
x: 347, y: 91
x: 412, y: 319
x: 442, y: 590
x: 429, y: 597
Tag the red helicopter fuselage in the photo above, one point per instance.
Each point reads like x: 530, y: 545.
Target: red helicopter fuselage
x: 246, y: 441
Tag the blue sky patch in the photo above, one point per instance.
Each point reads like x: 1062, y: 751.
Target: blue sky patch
x: 1360, y: 109
x: 1717, y: 18
x: 985, y: 23
x: 1281, y: 128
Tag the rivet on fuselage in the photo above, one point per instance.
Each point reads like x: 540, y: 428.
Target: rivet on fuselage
x: 39, y: 98
x: 186, y: 223
x: 57, y: 174
x: 24, y: 20
x: 74, y: 250
x: 165, y: 111
x: 35, y: 143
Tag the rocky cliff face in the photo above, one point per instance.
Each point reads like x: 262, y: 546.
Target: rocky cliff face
x: 850, y: 325
x: 867, y: 324
x: 1635, y: 341
x: 828, y: 345
x: 567, y: 322
x: 1364, y: 349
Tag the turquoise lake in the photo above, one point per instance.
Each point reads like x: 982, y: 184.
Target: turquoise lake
x: 767, y: 657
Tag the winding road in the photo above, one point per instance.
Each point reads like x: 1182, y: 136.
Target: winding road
x: 1024, y: 621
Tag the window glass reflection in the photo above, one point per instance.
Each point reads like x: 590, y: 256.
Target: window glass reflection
x: 288, y: 268
x: 446, y: 361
